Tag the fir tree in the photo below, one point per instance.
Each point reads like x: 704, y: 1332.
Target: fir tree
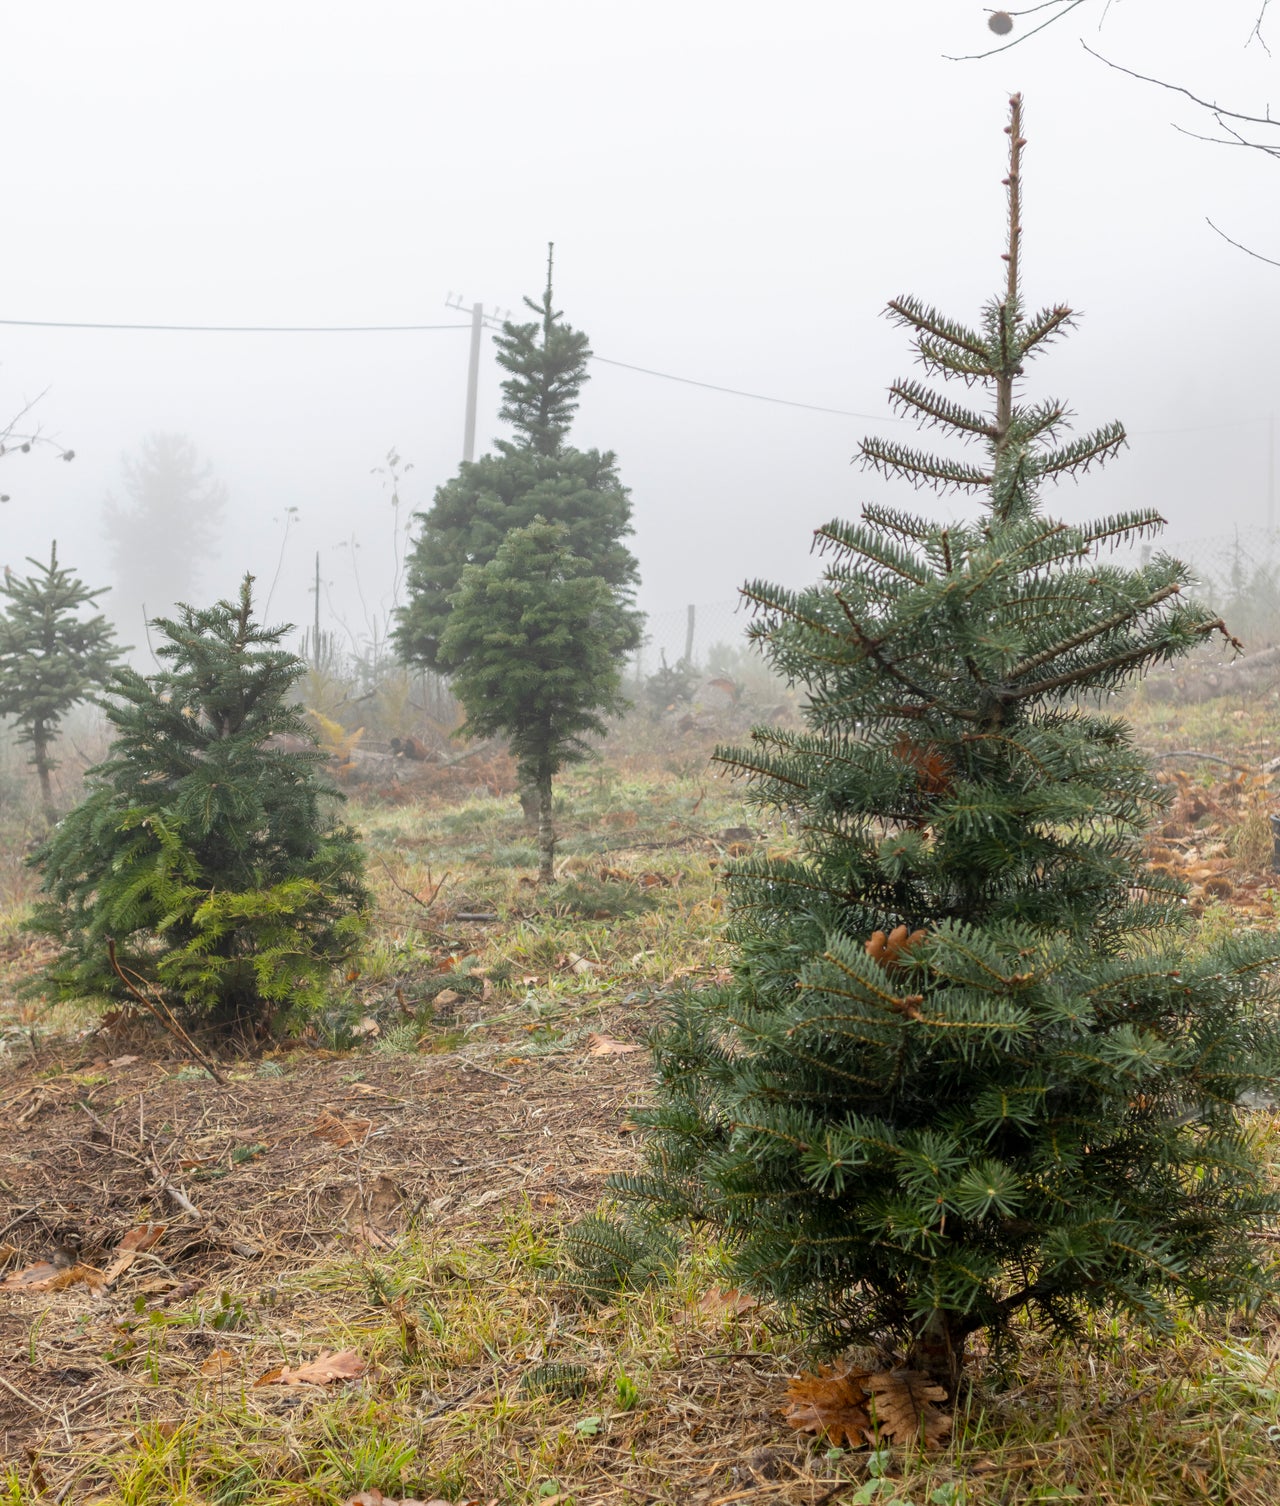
x: 539, y: 474
x: 539, y: 639
x: 203, y: 847
x: 52, y: 657
x: 969, y: 1066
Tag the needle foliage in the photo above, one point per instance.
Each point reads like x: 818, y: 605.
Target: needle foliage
x: 971, y: 1065
x: 206, y: 846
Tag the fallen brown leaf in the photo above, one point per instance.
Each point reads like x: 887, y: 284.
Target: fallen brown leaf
x: 605, y: 1045
x: 831, y: 1403
x: 447, y: 996
x: 218, y: 1363
x: 44, y: 1276
x: 368, y: 1026
x: 902, y: 1407
x: 327, y: 1367
x: 723, y: 1299
x: 130, y: 1247
x: 582, y: 965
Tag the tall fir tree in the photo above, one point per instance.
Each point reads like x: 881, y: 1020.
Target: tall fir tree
x: 538, y: 474
x: 52, y: 657
x: 539, y: 641
x: 970, y: 1066
x: 204, y: 848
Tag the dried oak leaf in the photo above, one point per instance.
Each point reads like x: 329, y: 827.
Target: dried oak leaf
x: 832, y: 1402
x: 44, y: 1276
x: 902, y: 1407
x: 218, y: 1363
x: 605, y: 1045
x: 326, y: 1368
x: 130, y: 1247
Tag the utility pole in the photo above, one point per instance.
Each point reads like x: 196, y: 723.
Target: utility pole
x: 1271, y: 475
x: 473, y: 382
x: 478, y: 321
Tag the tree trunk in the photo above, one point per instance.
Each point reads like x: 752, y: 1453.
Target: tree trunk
x: 40, y: 757
x: 939, y: 1349
x: 528, y: 800
x: 546, y: 833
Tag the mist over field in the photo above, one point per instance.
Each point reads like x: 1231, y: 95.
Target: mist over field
x: 734, y: 192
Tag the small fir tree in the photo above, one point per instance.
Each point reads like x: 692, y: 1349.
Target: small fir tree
x: 52, y: 657
x: 539, y: 640
x: 203, y: 847
x: 539, y: 474
x: 969, y: 1066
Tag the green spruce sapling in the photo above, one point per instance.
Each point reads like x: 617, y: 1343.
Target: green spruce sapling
x: 969, y: 1066
x: 538, y: 474
x: 538, y: 640
x: 52, y: 657
x: 205, y: 847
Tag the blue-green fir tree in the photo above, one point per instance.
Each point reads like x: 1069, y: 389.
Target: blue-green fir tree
x: 538, y: 474
x: 971, y: 1068
x: 207, y: 847
x: 539, y: 639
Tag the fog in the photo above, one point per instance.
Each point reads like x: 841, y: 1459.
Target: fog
x: 734, y: 190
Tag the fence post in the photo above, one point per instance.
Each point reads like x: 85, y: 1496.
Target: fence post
x: 688, y: 636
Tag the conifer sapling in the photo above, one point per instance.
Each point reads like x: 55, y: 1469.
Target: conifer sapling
x: 52, y: 657
x: 204, y: 848
x: 971, y: 1066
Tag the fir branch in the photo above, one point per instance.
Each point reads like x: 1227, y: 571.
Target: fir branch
x: 855, y: 540
x: 1127, y: 659
x: 934, y: 408
x: 1102, y: 445
x: 935, y: 356
x: 901, y: 523
x: 1097, y: 629
x: 916, y: 315
x: 1046, y: 325
x: 919, y: 468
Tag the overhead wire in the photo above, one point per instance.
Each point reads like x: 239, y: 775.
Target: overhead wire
x: 490, y: 322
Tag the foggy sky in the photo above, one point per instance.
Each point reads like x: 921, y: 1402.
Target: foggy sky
x: 734, y: 189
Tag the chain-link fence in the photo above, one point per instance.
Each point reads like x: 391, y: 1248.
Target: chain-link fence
x: 700, y: 635
x: 1238, y: 574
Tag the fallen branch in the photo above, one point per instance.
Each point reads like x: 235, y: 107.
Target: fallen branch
x: 166, y: 1019
x: 408, y: 893
x: 1211, y: 757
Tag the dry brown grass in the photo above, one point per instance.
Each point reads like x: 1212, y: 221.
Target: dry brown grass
x: 403, y: 1194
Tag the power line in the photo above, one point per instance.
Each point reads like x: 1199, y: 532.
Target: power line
x: 490, y: 322
x: 240, y: 329
x: 759, y: 397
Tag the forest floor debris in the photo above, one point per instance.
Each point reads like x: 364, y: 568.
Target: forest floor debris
x: 335, y: 1278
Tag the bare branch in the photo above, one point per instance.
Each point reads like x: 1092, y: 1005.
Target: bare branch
x: 1205, y: 104
x: 1069, y: 6
x: 1257, y: 255
x: 1257, y: 29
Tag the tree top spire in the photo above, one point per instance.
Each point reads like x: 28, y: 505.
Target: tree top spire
x: 547, y: 360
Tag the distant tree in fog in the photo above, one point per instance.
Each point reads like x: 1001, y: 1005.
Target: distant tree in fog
x: 536, y: 475
x: 166, y: 526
